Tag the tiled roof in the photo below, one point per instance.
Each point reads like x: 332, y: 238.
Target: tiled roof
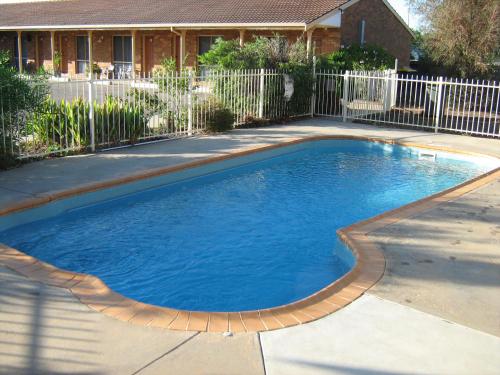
x: 168, y: 12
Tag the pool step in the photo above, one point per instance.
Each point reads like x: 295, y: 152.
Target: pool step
x: 427, y: 155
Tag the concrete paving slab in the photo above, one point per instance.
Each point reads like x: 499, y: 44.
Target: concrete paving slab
x: 446, y: 261
x: 45, y: 330
x: 212, y: 354
x: 10, y: 197
x: 375, y: 336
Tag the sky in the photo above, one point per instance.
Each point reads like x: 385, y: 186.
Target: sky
x: 402, y: 8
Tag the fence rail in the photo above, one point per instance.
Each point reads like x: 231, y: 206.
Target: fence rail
x: 89, y: 114
x: 103, y: 113
x: 386, y: 98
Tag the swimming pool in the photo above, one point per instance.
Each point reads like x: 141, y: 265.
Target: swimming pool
x: 248, y: 233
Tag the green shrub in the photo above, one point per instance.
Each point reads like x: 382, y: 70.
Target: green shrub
x: 117, y: 120
x: 96, y: 69
x: 164, y: 75
x: 269, y: 53
x: 18, y: 98
x: 221, y: 120
x: 57, y: 126
x: 60, y: 125
x: 356, y: 57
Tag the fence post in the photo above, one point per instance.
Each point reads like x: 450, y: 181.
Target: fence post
x: 190, y: 102
x: 91, y: 113
x: 313, y: 96
x: 388, y: 90
x: 345, y: 97
x: 261, y: 92
x: 437, y: 114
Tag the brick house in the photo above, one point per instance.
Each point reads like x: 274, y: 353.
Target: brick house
x: 134, y: 36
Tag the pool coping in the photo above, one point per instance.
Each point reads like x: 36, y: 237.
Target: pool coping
x: 368, y: 270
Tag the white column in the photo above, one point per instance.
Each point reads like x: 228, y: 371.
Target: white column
x: 134, y: 32
x: 37, y: 51
x: 20, y: 50
x: 309, y: 43
x: 242, y: 37
x: 182, y: 48
x: 53, y: 49
x: 91, y: 55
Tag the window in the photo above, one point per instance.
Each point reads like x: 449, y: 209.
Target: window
x: 362, y: 26
x: 122, y: 56
x: 205, y: 43
x: 25, y: 39
x: 82, y: 53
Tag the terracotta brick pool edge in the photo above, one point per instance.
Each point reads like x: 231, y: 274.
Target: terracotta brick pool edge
x: 369, y: 268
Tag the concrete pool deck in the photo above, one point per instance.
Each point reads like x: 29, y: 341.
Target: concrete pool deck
x: 434, y: 311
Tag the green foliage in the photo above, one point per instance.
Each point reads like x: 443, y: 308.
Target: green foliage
x: 61, y: 125
x: 96, y: 69
x: 356, y: 57
x: 220, y: 119
x: 19, y: 97
x: 228, y: 55
x: 118, y: 119
x: 57, y: 62
x: 261, y: 53
x: 269, y: 53
x: 462, y: 35
x: 5, y: 58
x: 168, y: 79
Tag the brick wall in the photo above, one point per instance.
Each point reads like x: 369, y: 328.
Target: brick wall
x: 382, y: 28
x: 192, y: 42
x: 165, y: 44
x: 326, y: 41
x: 7, y: 40
x: 44, y: 51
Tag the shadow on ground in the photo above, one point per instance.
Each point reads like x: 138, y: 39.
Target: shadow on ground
x: 39, y: 329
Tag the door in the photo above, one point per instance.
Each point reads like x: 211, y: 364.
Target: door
x: 148, y: 54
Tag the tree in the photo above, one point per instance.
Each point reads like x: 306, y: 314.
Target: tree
x: 462, y: 35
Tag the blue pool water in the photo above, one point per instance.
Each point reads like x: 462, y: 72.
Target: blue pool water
x: 255, y: 236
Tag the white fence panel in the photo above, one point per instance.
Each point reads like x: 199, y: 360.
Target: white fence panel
x: 87, y: 114
x: 386, y: 98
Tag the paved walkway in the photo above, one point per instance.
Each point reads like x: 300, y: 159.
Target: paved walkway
x: 436, y: 310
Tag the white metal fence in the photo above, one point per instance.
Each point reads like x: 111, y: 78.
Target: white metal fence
x: 441, y: 104
x: 104, y: 113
